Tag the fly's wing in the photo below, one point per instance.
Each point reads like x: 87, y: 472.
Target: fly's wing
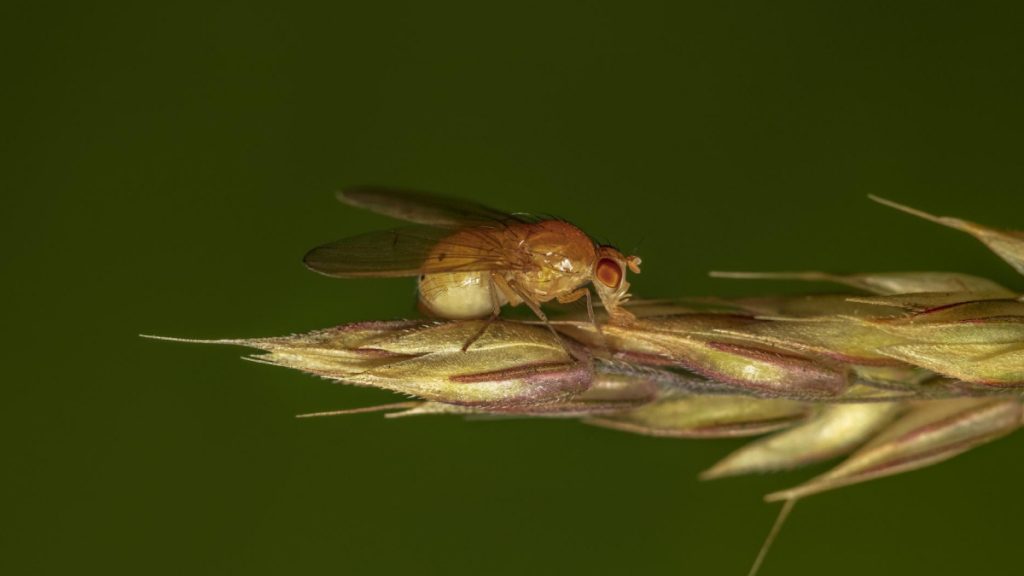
x: 423, y: 208
x: 411, y: 251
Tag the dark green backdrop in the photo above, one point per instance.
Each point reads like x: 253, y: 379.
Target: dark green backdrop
x: 166, y: 166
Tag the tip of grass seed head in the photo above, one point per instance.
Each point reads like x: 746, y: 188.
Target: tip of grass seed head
x: 908, y: 210
x: 192, y: 340
x: 168, y: 338
x: 363, y: 410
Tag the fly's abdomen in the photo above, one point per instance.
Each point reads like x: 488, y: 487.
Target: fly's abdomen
x: 456, y: 295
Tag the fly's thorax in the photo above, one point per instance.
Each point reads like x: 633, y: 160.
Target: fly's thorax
x: 457, y: 295
x: 561, y: 257
x: 542, y: 285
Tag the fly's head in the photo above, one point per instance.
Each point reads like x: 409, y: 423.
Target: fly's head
x: 610, y: 279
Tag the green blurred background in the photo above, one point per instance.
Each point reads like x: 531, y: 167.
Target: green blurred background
x: 166, y: 166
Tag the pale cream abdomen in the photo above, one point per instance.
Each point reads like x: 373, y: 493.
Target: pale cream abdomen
x: 457, y: 295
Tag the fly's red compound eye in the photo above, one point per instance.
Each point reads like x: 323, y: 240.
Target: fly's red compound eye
x: 609, y: 273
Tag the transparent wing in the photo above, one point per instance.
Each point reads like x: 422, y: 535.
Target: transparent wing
x: 424, y: 208
x: 411, y: 251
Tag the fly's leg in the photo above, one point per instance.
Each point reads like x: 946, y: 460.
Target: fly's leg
x: 535, y: 307
x: 495, y: 312
x: 504, y: 286
x: 576, y: 295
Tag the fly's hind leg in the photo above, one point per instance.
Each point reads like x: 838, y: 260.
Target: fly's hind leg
x: 495, y: 312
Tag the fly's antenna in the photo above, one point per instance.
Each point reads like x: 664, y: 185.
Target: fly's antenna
x: 787, y: 508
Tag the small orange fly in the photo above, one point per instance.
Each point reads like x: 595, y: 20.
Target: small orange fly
x: 471, y: 260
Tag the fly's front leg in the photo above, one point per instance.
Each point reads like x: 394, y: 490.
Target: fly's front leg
x: 495, y: 312
x: 576, y: 295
